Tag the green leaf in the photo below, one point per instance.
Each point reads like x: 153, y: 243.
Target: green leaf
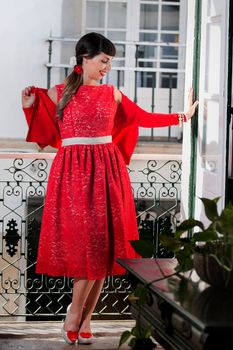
x: 139, y: 332
x: 225, y: 223
x: 186, y: 225
x: 205, y: 236
x: 145, y: 248
x: 185, y: 259
x: 124, y: 337
x: 169, y: 242
x: 211, y: 210
x: 135, y: 331
x: 146, y: 332
x: 142, y: 293
x: 132, y: 343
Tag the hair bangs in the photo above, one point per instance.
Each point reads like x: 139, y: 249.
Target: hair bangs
x: 108, y: 48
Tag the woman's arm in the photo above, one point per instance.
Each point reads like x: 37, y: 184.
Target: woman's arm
x: 117, y: 96
x: 131, y: 111
x: 52, y: 93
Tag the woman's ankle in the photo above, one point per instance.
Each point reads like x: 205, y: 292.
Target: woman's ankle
x: 85, y: 326
x: 72, y: 321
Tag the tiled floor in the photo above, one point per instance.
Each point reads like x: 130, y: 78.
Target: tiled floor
x: 47, y: 336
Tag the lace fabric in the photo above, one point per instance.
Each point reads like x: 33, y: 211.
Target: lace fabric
x: 89, y: 214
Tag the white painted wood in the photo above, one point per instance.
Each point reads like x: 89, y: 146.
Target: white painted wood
x: 213, y: 104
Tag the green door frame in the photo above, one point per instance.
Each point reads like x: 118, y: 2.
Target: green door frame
x: 194, y: 126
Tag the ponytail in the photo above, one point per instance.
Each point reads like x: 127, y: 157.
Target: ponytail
x: 72, y: 84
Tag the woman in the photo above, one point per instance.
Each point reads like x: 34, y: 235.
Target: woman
x: 89, y: 215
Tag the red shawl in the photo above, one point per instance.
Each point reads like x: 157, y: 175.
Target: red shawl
x: 44, y: 130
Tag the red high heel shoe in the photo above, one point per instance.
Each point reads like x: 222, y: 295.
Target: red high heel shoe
x: 85, y: 338
x: 69, y: 336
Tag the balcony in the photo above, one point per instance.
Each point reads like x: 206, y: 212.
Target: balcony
x: 156, y: 184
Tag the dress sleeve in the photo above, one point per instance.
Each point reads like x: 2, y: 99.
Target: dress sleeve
x: 131, y: 111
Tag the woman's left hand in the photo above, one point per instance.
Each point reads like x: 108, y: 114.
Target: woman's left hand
x: 191, y: 105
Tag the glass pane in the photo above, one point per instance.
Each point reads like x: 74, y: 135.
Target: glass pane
x: 213, y: 49
x: 95, y: 14
x: 116, y: 78
x: 117, y: 15
x: 169, y: 53
x: 120, y: 50
x: 114, y: 35
x: 170, y: 17
x: 148, y: 37
x: 168, y: 80
x: 147, y: 51
x: 149, y: 16
x: 210, y: 143
x: 147, y: 64
x: 171, y: 65
x: 170, y: 38
x: 118, y: 63
x: 146, y: 79
x: 214, y: 8
x: 97, y: 31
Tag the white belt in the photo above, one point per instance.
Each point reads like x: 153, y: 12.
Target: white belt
x: 86, y: 140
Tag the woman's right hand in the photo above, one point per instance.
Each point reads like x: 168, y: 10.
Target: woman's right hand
x: 28, y: 97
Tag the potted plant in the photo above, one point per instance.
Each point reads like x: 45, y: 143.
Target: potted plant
x: 210, y: 250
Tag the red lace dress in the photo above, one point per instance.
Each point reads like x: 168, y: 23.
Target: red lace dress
x: 89, y: 214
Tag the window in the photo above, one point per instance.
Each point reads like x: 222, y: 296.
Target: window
x: 159, y: 30
x: 109, y: 18
x: 147, y: 34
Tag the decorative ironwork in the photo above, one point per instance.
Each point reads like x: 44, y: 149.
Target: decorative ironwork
x: 156, y: 188
x: 157, y: 198
x: 12, y: 237
x: 33, y: 171
x: 167, y: 172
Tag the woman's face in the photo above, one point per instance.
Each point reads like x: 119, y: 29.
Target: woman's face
x: 97, y: 67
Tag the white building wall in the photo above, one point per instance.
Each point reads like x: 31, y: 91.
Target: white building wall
x: 25, y: 25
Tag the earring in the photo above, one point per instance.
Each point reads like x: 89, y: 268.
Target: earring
x: 78, y: 69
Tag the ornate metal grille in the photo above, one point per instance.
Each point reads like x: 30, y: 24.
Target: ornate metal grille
x: 156, y: 188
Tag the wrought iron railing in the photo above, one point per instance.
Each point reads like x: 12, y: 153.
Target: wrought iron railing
x: 156, y: 188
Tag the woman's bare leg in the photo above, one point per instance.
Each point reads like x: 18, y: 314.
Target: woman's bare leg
x: 90, y: 304
x: 81, y: 290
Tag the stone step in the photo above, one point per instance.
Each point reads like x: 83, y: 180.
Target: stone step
x: 47, y: 335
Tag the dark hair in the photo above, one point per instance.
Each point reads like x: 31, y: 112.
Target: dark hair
x: 89, y: 45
